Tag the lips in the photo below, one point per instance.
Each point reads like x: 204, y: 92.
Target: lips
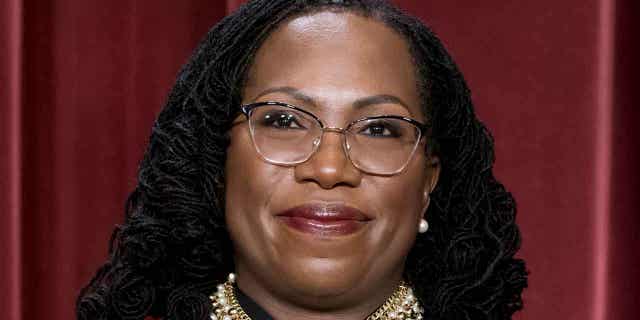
x: 324, y: 219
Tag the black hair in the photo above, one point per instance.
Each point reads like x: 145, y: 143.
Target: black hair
x: 173, y: 247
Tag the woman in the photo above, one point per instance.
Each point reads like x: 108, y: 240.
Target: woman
x: 324, y: 157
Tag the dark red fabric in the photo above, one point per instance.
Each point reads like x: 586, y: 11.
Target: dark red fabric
x: 554, y: 80
x: 533, y: 69
x: 93, y: 77
x: 623, y: 275
x: 10, y: 158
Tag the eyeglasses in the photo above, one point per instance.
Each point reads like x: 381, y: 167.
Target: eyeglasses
x: 287, y: 135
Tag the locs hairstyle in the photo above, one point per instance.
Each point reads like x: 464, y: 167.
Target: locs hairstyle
x: 173, y: 247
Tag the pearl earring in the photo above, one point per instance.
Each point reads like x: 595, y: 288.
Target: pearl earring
x: 424, y: 226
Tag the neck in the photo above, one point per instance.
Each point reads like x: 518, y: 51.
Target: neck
x: 354, y: 304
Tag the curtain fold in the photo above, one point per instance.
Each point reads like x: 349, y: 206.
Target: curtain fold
x: 623, y: 269
x: 554, y: 81
x: 10, y: 158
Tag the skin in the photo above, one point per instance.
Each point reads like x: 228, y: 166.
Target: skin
x: 334, y: 59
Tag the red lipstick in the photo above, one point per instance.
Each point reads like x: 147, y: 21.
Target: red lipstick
x: 324, y: 219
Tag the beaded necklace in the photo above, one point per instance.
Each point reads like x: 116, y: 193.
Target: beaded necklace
x: 401, y: 305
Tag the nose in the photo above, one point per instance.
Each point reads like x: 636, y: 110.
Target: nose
x: 329, y: 166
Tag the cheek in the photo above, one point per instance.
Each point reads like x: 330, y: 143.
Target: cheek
x: 249, y: 186
x: 402, y: 196
x: 399, y: 200
x: 400, y: 207
x: 249, y: 179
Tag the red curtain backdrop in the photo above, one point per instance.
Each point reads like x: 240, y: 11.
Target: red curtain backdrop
x: 554, y: 80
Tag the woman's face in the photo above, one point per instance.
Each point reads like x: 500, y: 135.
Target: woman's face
x: 326, y: 61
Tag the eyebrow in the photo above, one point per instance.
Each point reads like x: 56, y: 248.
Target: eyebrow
x: 358, y: 104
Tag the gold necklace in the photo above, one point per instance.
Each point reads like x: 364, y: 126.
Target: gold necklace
x: 401, y: 305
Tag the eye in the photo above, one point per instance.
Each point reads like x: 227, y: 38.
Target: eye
x: 281, y: 120
x: 380, y: 128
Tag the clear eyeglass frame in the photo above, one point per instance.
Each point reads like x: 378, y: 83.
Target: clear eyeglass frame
x: 247, y: 110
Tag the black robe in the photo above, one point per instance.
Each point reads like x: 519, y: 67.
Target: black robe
x: 250, y: 307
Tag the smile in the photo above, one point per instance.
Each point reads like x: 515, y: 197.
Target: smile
x: 324, y: 219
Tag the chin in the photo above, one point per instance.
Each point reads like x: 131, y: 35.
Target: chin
x: 324, y: 277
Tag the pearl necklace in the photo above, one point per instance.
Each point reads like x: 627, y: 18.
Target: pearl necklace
x: 401, y: 305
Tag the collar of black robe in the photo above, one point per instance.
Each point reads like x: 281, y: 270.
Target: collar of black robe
x: 250, y: 307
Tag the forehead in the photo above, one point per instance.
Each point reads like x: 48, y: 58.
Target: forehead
x: 336, y: 57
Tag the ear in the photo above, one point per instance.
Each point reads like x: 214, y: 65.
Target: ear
x: 433, y: 174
